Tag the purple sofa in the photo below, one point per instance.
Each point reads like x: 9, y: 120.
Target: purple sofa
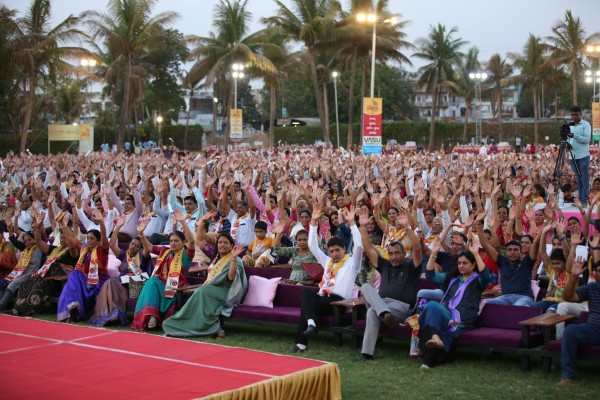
x: 497, y: 330
x: 554, y: 348
x: 286, y: 307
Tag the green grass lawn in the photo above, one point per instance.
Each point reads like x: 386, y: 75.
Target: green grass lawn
x: 474, y: 374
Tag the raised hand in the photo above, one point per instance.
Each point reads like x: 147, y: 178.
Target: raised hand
x: 317, y: 212
x: 402, y: 220
x: 349, y: 215
x: 209, y: 215
x: 278, y: 227
x: 437, y: 244
x: 576, y: 238
x: 560, y: 227
x: 595, y: 240
x: 120, y: 221
x: 51, y: 197
x: 97, y: 216
x: 474, y: 244
x: 142, y: 224
x: 578, y: 266
x: 577, y: 202
x: 178, y: 215
x: 363, y: 217
x: 236, y: 251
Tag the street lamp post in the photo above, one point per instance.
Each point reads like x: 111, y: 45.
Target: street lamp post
x: 238, y: 72
x: 159, y: 121
x: 593, y: 77
x: 335, y: 76
x: 214, y: 124
x: 372, y: 18
x: 88, y: 63
x: 478, y: 77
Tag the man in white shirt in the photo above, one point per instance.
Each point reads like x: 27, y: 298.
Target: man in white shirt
x: 24, y: 220
x: 483, y: 150
x: 242, y: 224
x: 340, y: 270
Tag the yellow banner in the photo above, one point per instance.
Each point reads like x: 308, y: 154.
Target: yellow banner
x: 595, y: 121
x: 63, y: 132
x: 372, y: 106
x: 237, y: 125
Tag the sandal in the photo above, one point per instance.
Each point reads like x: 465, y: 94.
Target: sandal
x: 435, y: 343
x: 152, y: 322
x: 221, y: 335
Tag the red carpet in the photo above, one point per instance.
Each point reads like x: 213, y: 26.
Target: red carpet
x: 49, y: 360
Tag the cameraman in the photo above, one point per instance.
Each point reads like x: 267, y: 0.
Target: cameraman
x: 581, y: 133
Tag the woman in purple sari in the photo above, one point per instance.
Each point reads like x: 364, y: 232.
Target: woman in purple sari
x: 111, y: 302
x: 90, y: 273
x: 441, y: 323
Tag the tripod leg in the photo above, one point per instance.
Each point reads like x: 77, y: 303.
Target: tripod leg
x: 579, y: 176
x: 559, y: 163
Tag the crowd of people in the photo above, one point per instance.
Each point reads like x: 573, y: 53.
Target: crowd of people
x: 489, y: 229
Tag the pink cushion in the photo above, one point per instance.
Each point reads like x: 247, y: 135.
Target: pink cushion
x: 261, y: 291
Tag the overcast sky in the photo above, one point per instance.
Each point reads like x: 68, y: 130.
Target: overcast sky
x: 494, y: 26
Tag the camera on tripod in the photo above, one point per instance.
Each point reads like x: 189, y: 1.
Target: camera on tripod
x: 565, y: 131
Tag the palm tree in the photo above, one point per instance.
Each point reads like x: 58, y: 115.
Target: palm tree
x: 11, y: 93
x: 464, y: 85
x: 356, y: 44
x: 129, y: 32
x: 39, y: 52
x: 441, y: 51
x: 273, y: 49
x: 229, y: 44
x: 567, y: 46
x: 308, y: 23
x: 499, y: 71
x: 532, y: 65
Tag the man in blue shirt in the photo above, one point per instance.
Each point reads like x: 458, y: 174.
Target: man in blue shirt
x: 514, y: 270
x: 580, y: 144
x: 582, y: 333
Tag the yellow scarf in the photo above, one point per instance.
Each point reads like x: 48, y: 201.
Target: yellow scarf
x: 22, y: 264
x: 172, y: 282
x: 393, y: 234
x: 236, y: 225
x: 54, y: 255
x: 328, y: 281
x: 216, y: 269
x: 93, y: 276
x: 133, y: 263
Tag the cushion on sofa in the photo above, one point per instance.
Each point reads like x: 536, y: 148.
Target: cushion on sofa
x: 505, y: 316
x: 261, y: 291
x: 491, y: 337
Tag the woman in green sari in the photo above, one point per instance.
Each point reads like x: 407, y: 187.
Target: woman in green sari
x: 223, y: 289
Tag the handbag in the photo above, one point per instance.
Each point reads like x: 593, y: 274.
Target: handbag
x: 135, y: 288
x: 314, y: 270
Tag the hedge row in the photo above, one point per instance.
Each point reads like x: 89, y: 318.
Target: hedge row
x: 448, y: 133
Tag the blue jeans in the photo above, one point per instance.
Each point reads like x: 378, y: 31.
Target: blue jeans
x: 511, y: 300
x: 431, y: 294
x: 545, y: 305
x: 573, y: 336
x: 583, y: 184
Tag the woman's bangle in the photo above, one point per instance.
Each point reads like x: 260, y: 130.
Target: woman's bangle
x: 563, y: 237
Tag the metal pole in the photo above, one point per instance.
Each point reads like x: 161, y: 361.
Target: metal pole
x: 235, y: 92
x: 373, y: 59
x: 337, y: 120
